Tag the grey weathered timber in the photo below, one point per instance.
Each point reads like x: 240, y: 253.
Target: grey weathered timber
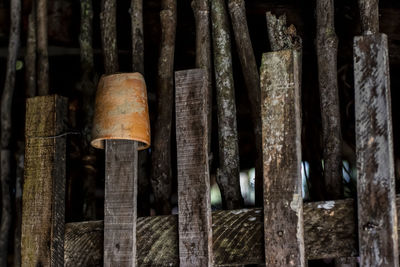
x: 120, y: 203
x: 42, y: 241
x: 377, y: 219
x: 281, y: 132
x: 108, y: 26
x: 228, y: 172
x: 201, y: 11
x: 195, y: 235
x: 369, y: 14
x: 237, y: 236
x: 237, y: 11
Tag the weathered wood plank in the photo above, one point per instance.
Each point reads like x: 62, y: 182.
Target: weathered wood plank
x: 44, y: 188
x: 281, y: 132
x: 120, y: 209
x: 238, y: 238
x: 195, y: 235
x: 377, y: 219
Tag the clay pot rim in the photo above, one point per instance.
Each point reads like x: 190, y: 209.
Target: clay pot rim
x: 99, y: 142
x: 122, y: 74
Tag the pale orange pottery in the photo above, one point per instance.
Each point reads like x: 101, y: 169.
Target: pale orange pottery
x: 121, y: 110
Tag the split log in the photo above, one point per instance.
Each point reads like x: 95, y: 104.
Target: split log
x: 30, y: 56
x: 42, y: 53
x: 201, y: 10
x: 161, y: 177
x: 45, y: 177
x: 281, y: 123
x: 252, y: 81
x: 327, y: 44
x: 377, y: 219
x: 329, y: 229
x: 194, y: 203
x: 108, y: 25
x: 6, y: 129
x: 228, y: 176
x: 88, y: 89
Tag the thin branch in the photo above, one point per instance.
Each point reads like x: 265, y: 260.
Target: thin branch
x: 136, y: 11
x: 108, y: 25
x: 43, y: 59
x: 6, y: 128
x: 161, y: 177
x: 30, y: 57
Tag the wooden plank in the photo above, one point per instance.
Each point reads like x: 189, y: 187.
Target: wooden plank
x: 120, y: 205
x: 329, y: 227
x: 42, y: 241
x: 195, y: 234
x: 281, y: 138
x: 377, y: 219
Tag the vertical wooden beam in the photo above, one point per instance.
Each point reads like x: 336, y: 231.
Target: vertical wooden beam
x: 377, y: 218
x: 44, y: 187
x: 42, y: 53
x: 195, y: 233
x: 120, y: 203
x: 281, y: 132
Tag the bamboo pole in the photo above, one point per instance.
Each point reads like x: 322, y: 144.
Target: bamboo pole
x: 6, y: 129
x: 228, y: 177
x: 161, y: 178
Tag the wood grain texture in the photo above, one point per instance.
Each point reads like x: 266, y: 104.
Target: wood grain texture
x: 369, y: 14
x: 237, y: 11
x: 44, y: 187
x: 42, y: 53
x: 120, y: 208
x: 228, y: 172
x: 377, y: 219
x: 195, y: 234
x: 108, y: 25
x: 281, y: 132
x: 237, y: 236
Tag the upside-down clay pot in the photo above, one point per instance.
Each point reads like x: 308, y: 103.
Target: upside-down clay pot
x: 121, y: 110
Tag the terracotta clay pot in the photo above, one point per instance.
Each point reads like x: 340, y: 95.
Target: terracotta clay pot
x: 121, y: 110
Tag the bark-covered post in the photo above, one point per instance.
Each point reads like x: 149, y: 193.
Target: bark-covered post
x: 6, y: 129
x: 194, y: 217
x: 108, y: 25
x: 228, y: 173
x: 87, y: 88
x: 251, y: 76
x: 42, y: 241
x: 201, y: 10
x: 281, y: 128
x: 42, y: 53
x: 329, y: 96
x: 161, y: 177
x: 30, y: 56
x: 377, y: 216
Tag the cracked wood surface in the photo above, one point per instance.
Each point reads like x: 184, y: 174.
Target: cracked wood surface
x: 377, y: 219
x: 329, y: 231
x: 281, y: 136
x: 43, y: 208
x: 194, y: 216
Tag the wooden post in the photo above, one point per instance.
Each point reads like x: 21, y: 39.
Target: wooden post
x: 120, y: 203
x: 42, y: 53
x: 195, y: 235
x: 281, y: 124
x: 44, y: 187
x: 377, y: 218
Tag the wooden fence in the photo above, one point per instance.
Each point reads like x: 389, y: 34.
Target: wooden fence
x: 285, y: 232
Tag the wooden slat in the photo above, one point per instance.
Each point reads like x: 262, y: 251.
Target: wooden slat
x: 195, y: 239
x: 281, y: 139
x: 42, y: 241
x: 120, y: 208
x: 329, y: 230
x: 377, y: 219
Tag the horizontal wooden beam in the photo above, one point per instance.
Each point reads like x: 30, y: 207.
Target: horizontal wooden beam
x: 329, y: 230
